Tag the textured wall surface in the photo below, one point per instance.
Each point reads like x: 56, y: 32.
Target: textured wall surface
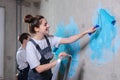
x: 10, y: 45
x: 2, y: 11
x: 99, y: 54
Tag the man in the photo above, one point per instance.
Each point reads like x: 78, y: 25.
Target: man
x: 22, y: 64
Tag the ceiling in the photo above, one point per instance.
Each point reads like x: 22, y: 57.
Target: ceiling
x: 33, y: 0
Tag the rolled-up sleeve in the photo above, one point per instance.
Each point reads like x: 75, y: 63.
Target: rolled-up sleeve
x: 56, y: 41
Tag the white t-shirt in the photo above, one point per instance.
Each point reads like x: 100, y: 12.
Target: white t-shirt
x: 33, y: 55
x: 21, y: 58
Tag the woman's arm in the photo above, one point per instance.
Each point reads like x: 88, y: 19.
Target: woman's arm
x: 76, y: 37
x: 44, y: 67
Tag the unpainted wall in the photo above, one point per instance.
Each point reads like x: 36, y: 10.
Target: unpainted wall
x: 10, y: 35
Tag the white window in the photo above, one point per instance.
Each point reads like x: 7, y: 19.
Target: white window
x: 2, y: 16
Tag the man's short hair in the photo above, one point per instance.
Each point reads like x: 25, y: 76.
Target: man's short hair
x: 23, y: 36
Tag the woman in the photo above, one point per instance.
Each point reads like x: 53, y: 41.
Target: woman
x: 39, y: 47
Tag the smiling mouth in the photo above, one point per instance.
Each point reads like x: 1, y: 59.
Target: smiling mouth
x: 47, y: 29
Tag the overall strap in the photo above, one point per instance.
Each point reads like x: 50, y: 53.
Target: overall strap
x: 43, y: 60
x: 47, y: 41
x: 18, y: 67
x: 36, y: 45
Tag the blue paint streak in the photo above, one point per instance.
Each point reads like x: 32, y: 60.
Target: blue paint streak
x: 116, y: 45
x: 101, y: 42
x: 73, y: 48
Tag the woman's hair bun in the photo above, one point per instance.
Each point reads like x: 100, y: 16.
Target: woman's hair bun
x: 28, y: 18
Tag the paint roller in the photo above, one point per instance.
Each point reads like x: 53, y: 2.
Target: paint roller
x: 104, y: 14
x: 94, y: 27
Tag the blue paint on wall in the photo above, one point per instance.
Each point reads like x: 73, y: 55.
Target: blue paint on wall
x: 116, y: 45
x: 101, y: 43
x: 103, y: 46
x: 73, y: 48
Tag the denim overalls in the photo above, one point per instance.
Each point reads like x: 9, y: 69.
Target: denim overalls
x: 23, y: 74
x: 46, y: 56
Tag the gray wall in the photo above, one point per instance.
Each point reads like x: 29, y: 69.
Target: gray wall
x: 2, y: 12
x: 10, y: 35
x: 82, y: 11
x: 10, y: 41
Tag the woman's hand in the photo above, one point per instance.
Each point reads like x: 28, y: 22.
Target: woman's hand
x: 91, y: 30
x: 62, y: 54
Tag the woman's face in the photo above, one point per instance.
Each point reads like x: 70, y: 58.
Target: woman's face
x: 44, y: 27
